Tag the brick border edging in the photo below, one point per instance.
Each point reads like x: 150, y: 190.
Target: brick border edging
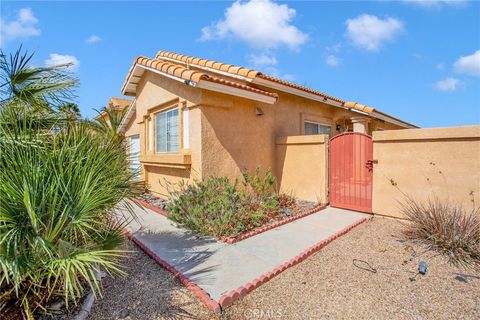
x: 150, y: 206
x: 227, y: 299
x: 254, y: 232
x: 199, y: 292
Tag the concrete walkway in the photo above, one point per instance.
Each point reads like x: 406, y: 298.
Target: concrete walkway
x: 219, y: 268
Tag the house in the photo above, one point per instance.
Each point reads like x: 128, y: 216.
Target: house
x: 116, y: 105
x: 192, y: 118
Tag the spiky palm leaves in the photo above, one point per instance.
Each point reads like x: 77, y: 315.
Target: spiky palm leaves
x: 33, y: 87
x: 59, y: 183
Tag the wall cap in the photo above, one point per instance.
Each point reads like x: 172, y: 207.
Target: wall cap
x: 446, y: 133
x: 308, y: 139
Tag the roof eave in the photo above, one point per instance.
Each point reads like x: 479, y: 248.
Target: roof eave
x: 129, y: 87
x: 128, y: 116
x: 297, y: 92
x: 218, y: 87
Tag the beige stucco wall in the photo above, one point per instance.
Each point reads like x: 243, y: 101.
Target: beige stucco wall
x: 234, y: 138
x: 154, y: 92
x: 226, y: 134
x: 414, y: 158
x: 302, y: 166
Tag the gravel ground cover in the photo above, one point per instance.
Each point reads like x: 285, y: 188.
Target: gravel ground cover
x: 148, y: 292
x: 326, y: 285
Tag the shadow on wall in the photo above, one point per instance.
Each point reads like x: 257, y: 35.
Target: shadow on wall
x: 234, y: 137
x: 160, y: 179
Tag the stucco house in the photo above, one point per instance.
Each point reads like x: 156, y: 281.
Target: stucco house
x: 191, y: 118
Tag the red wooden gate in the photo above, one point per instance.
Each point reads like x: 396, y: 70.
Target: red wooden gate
x: 350, y: 178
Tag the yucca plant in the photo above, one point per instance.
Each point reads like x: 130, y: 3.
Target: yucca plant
x: 60, y: 180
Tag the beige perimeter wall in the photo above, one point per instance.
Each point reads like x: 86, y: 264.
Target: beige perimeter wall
x: 426, y: 163
x: 301, y: 163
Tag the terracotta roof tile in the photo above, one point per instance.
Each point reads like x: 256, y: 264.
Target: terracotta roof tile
x: 241, y: 71
x: 299, y: 87
x: 240, y: 86
x: 161, y: 63
x: 245, y: 72
x: 359, y: 107
x: 182, y: 72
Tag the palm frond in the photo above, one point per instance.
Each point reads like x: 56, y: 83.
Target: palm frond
x: 32, y: 86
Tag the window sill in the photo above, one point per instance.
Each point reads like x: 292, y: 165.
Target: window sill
x: 176, y: 160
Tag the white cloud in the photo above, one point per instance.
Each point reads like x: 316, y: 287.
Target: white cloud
x: 448, y: 84
x: 260, y: 23
x: 266, y: 63
x: 370, y: 32
x: 57, y: 59
x: 334, y: 48
x: 468, y: 64
x: 332, y: 60
x: 262, y: 60
x: 274, y: 72
x: 93, y: 39
x: 22, y: 27
x: 440, y: 66
x: 436, y: 3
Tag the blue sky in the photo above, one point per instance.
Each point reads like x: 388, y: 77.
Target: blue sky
x: 419, y: 61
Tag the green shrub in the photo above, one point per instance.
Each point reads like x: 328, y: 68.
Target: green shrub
x: 220, y: 207
x: 445, y: 227
x: 60, y: 178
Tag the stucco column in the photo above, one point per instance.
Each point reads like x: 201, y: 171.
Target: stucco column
x: 360, y: 124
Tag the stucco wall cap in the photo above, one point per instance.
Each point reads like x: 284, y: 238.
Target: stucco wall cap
x: 308, y: 139
x: 447, y: 133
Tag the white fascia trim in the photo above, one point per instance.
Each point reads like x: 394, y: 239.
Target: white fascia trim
x: 189, y: 82
x: 128, y: 116
x: 391, y: 120
x: 228, y: 74
x: 212, y: 86
x: 129, y: 80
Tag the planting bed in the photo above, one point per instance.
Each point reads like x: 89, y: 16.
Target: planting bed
x: 298, y: 209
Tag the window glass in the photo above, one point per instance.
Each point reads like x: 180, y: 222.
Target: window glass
x: 315, y: 128
x: 166, y: 128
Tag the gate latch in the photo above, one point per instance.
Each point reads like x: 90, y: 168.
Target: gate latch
x: 370, y: 164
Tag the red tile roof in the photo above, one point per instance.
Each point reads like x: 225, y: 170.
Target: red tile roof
x: 181, y: 72
x: 179, y: 65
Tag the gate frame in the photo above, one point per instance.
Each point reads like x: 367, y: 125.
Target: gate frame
x: 368, y: 164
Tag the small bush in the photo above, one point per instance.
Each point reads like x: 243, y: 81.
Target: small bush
x: 220, y: 207
x: 446, y: 227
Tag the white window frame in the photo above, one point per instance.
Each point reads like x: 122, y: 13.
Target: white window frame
x: 318, y: 124
x: 156, y: 133
x: 150, y: 134
x: 186, y: 129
